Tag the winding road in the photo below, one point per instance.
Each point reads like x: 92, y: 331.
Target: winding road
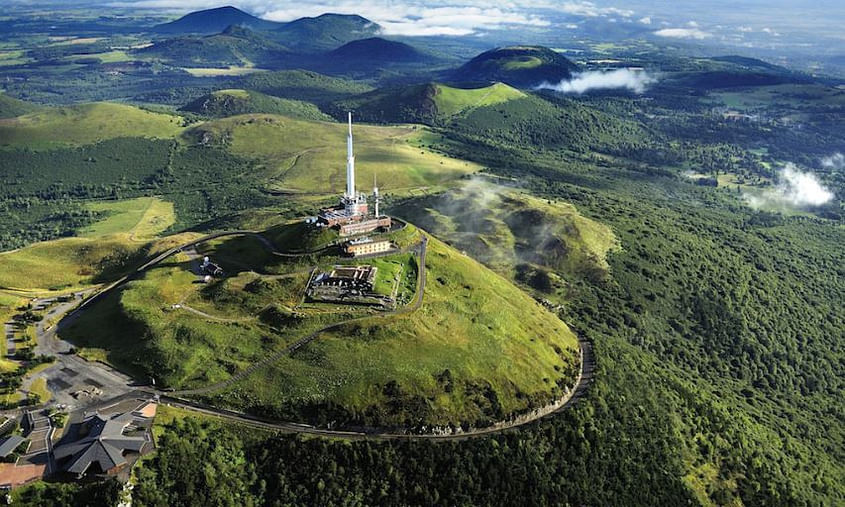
x: 176, y: 397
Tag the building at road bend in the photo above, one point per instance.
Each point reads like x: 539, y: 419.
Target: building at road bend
x: 352, y: 216
x: 366, y: 246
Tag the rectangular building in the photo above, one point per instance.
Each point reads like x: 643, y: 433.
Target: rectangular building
x: 367, y: 247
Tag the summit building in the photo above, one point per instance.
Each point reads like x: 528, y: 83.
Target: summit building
x: 352, y: 216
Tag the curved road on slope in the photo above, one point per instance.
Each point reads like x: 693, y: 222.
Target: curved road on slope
x: 174, y: 397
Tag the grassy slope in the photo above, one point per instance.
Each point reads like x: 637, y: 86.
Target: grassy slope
x: 11, y: 107
x: 490, y: 336
x: 181, y: 348
x: 86, y: 123
x: 516, y: 229
x: 451, y: 101
x: 105, y: 249
x: 429, y: 103
x: 232, y: 102
x: 303, y: 85
x: 310, y: 156
x: 141, y: 218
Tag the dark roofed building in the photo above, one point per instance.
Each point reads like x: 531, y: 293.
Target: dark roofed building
x: 100, y: 446
x: 9, y: 444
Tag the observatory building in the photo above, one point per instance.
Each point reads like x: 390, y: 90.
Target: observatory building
x: 352, y: 216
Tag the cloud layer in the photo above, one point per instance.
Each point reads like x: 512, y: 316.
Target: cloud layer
x: 683, y: 33
x: 796, y: 188
x: 835, y: 161
x: 633, y: 80
x: 409, y: 17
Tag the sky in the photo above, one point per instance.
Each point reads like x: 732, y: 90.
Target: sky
x: 695, y: 20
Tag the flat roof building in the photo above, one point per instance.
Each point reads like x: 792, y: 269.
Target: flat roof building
x: 367, y: 246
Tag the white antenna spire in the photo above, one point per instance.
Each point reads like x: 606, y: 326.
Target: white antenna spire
x: 375, y: 193
x: 350, y: 164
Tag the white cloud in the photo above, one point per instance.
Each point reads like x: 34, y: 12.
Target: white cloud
x: 745, y: 28
x: 645, y: 20
x: 835, y: 161
x: 417, y: 19
x: 633, y: 80
x: 770, y: 31
x: 591, y: 10
x: 683, y: 33
x: 412, y: 17
x: 795, y: 188
x: 692, y: 24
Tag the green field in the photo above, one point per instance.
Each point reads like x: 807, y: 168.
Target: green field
x: 793, y: 96
x: 451, y: 101
x: 523, y: 62
x: 478, y: 350
x: 142, y: 219
x: 84, y: 124
x: 66, y: 263
x: 103, y: 250
x: 309, y: 156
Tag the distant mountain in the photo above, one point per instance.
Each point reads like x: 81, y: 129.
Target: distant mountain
x: 234, y: 46
x: 324, y: 32
x: 520, y: 66
x: 749, y: 63
x: 379, y: 49
x: 371, y: 55
x: 11, y: 107
x: 303, y: 85
x: 429, y: 103
x: 223, y: 103
x: 214, y: 21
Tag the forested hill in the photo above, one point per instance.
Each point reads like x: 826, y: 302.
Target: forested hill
x: 520, y: 66
x: 211, y: 21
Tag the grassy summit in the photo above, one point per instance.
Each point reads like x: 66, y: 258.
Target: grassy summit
x: 86, y: 123
x: 478, y: 349
x: 232, y: 102
x: 430, y: 103
x: 520, y: 66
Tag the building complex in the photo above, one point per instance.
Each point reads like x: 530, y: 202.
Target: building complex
x: 352, y: 216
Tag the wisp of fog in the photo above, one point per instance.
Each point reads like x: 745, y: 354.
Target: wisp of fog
x: 630, y: 79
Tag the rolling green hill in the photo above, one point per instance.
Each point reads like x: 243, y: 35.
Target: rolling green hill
x: 214, y: 21
x: 11, y: 107
x: 324, y: 32
x: 86, y: 123
x: 430, y: 103
x: 373, y: 55
x: 234, y: 46
x: 477, y: 351
x: 302, y: 85
x: 308, y: 156
x: 520, y: 236
x: 559, y: 123
x: 520, y: 66
x: 232, y: 102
